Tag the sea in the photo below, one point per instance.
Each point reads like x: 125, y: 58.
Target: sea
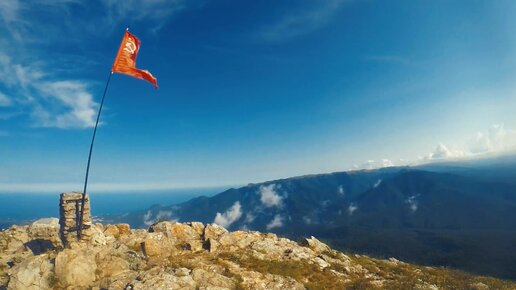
x: 23, y: 208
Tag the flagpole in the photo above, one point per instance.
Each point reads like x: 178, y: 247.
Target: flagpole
x: 79, y: 225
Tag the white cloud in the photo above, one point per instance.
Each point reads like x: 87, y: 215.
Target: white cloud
x: 352, y: 208
x: 307, y: 220
x: 78, y: 104
x: 147, y: 218
x: 230, y: 216
x: 5, y: 101
x: 497, y: 138
x: 412, y: 202
x: 441, y: 152
x: 276, y: 222
x: 303, y: 20
x: 50, y: 103
x: 269, y: 196
x: 160, y: 216
x: 249, y: 218
x: 341, y: 190
x: 9, y: 10
x: 375, y: 164
x: 377, y: 183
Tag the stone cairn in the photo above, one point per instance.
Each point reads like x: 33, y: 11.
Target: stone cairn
x: 69, y: 215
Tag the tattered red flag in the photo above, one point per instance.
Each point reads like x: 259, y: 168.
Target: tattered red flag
x: 125, y: 61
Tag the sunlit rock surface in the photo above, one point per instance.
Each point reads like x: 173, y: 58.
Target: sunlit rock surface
x: 192, y: 255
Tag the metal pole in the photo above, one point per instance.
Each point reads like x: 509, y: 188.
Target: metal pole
x: 79, y: 225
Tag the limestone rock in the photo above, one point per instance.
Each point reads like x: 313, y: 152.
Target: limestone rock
x: 32, y: 274
x: 171, y: 256
x: 214, y: 231
x: 110, y: 263
x: 160, y: 278
x: 259, y: 281
x: 207, y: 279
x: 75, y: 267
x: 157, y: 247
x: 123, y: 229
x: 112, y: 230
x: 316, y: 245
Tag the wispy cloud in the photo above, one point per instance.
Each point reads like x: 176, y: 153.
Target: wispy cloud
x: 268, y: 195
x: 29, y: 28
x: 50, y: 103
x: 352, y: 208
x: 412, y: 202
x: 229, y: 216
x: 276, y: 222
x: 497, y: 138
x: 309, y: 16
x: 74, y: 99
x: 156, y: 11
x: 5, y: 101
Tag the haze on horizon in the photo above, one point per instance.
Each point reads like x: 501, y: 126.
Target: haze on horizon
x: 250, y: 91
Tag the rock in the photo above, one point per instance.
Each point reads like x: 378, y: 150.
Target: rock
x: 123, y: 229
x: 75, y: 267
x: 110, y: 264
x: 207, y: 279
x: 321, y: 263
x: 213, y: 231
x: 112, y: 230
x: 157, y: 247
x: 259, y: 281
x: 182, y: 272
x: 167, y: 258
x: 43, y: 235
x: 316, y: 245
x: 32, y: 274
x: 212, y: 244
x: 198, y: 227
x: 160, y: 278
x: 183, y: 235
x: 479, y: 286
x: 97, y: 237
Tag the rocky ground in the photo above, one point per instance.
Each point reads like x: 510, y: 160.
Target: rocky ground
x: 196, y: 256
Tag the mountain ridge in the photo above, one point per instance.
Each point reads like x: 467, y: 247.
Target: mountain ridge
x: 441, y: 208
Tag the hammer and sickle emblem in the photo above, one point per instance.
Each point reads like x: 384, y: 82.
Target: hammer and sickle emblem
x: 130, y: 47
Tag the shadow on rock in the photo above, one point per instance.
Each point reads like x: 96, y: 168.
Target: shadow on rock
x: 39, y: 246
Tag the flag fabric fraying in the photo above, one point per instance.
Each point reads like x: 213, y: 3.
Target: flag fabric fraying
x: 125, y: 61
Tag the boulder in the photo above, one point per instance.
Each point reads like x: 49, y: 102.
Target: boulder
x: 198, y: 227
x: 213, y: 231
x: 123, y: 229
x: 259, y: 281
x: 316, y: 245
x: 112, y: 230
x: 160, y: 278
x: 157, y: 247
x: 33, y: 273
x: 75, y: 267
x: 110, y: 263
x: 187, y: 236
x: 210, y: 280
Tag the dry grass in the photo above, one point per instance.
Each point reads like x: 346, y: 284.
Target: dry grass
x: 310, y: 275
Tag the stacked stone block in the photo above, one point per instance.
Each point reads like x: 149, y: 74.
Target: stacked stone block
x: 69, y: 215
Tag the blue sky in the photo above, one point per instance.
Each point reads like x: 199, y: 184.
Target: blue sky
x: 250, y: 90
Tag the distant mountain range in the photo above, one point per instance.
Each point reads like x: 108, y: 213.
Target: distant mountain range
x: 458, y: 214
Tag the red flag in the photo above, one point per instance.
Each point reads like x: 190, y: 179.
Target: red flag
x: 125, y: 61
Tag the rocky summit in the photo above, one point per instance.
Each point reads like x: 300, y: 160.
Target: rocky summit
x: 171, y: 255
